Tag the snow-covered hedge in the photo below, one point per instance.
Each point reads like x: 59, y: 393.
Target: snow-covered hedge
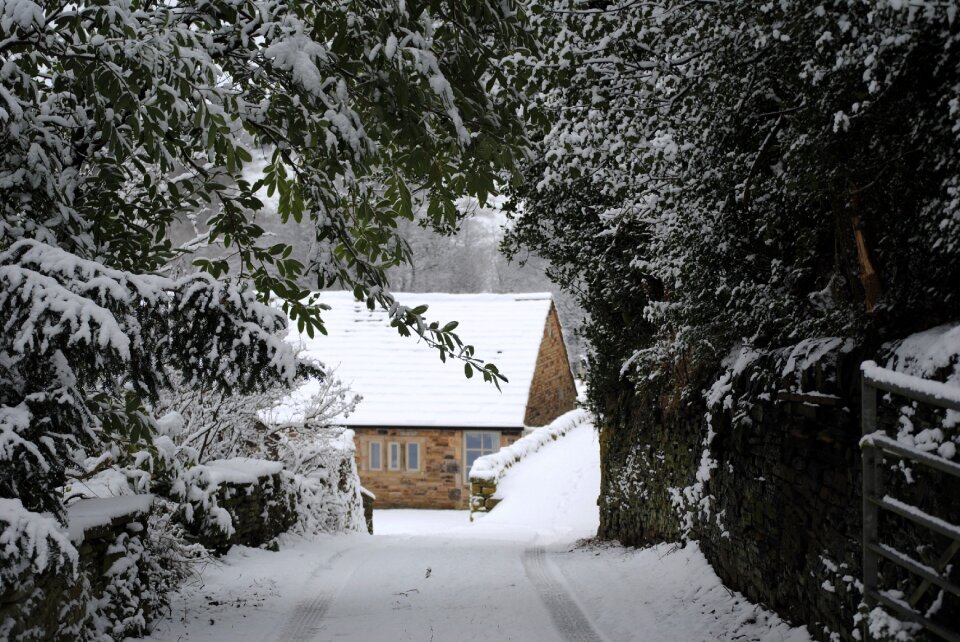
x: 329, y: 495
x: 33, y: 541
x: 489, y: 468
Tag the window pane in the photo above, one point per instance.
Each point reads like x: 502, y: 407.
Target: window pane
x: 413, y: 456
x: 375, y: 456
x: 394, y: 456
x: 472, y: 456
x: 473, y: 440
x: 488, y: 440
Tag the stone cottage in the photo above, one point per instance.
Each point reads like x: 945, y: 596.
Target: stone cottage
x: 422, y: 423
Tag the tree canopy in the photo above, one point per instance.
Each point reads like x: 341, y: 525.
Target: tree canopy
x: 117, y: 118
x: 723, y: 172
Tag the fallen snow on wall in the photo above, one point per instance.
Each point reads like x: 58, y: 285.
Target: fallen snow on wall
x: 926, y: 353
x: 809, y: 352
x: 490, y: 468
x: 90, y: 513
x: 238, y: 470
x: 551, y: 495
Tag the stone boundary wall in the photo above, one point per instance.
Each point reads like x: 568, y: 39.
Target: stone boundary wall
x: 90, y: 592
x: 765, y: 472
x: 786, y: 522
x: 238, y: 501
x: 368, y: 499
x: 487, y: 470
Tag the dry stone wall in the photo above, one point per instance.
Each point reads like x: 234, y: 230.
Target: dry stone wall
x: 257, y: 510
x: 766, y: 478
x: 101, y: 597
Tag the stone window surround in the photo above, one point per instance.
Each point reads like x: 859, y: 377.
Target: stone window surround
x: 407, y: 446
x: 370, y: 457
x: 385, y: 459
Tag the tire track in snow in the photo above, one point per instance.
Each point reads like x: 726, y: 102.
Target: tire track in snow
x: 570, y: 620
x: 304, y: 623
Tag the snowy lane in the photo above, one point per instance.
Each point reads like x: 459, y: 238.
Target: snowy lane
x: 569, y: 619
x: 440, y: 589
x: 323, y: 587
x: 516, y: 574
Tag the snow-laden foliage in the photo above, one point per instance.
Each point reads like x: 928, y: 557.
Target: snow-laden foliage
x: 31, y: 542
x: 202, y: 430
x: 118, y: 118
x: 716, y: 172
x: 83, y: 345
x: 214, y: 424
x: 316, y: 455
x: 325, y: 478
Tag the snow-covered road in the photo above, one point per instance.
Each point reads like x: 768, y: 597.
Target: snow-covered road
x: 515, y: 574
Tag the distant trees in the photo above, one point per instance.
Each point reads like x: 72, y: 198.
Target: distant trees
x: 118, y: 118
x: 708, y: 173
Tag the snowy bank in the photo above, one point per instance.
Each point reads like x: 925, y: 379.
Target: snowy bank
x: 489, y: 468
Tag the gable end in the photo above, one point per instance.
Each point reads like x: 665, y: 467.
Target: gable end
x: 552, y: 391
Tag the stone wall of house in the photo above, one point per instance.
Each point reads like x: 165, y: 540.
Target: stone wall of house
x: 440, y: 481
x: 552, y: 391
x: 102, y: 599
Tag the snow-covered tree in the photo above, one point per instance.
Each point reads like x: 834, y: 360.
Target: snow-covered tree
x: 118, y: 117
x: 716, y: 172
x: 214, y: 424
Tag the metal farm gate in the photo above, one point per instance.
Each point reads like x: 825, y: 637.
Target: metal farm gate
x: 873, y: 444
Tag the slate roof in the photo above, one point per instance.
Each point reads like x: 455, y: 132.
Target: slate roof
x: 403, y: 381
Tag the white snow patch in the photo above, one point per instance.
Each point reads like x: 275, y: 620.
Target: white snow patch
x: 490, y: 468
x: 551, y: 495
x: 238, y: 470
x: 90, y: 513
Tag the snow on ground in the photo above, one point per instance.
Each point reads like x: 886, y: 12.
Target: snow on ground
x: 414, y: 521
x: 665, y: 593
x: 517, y: 573
x: 552, y: 494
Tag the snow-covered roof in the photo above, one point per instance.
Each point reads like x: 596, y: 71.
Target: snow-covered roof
x: 402, y: 380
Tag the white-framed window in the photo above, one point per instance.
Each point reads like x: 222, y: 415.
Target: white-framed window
x: 393, y: 455
x: 477, y: 443
x: 413, y: 456
x: 375, y: 458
